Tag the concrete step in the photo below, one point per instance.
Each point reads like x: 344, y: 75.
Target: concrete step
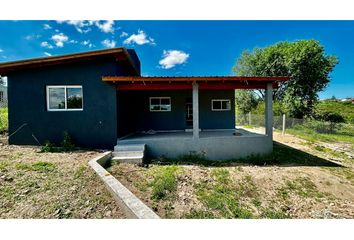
x: 129, y: 147
x: 136, y: 160
x: 129, y: 153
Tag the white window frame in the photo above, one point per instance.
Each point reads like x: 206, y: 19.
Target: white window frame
x: 65, y: 103
x: 160, y: 104
x: 220, y: 100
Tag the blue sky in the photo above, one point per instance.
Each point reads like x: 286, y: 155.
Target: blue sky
x: 191, y: 48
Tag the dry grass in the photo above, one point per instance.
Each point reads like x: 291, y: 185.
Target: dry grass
x: 51, y: 185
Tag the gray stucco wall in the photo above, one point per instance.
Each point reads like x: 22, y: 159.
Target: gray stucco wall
x: 212, y: 148
x: 134, y: 113
x: 95, y: 126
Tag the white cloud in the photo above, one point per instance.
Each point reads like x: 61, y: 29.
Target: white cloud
x: 109, y: 43
x: 123, y: 34
x: 73, y: 41
x: 87, y: 43
x: 105, y: 26
x: 32, y: 36
x: 59, y: 39
x: 47, y: 54
x: 171, y: 58
x: 46, y: 26
x: 1, y: 50
x: 140, y: 38
x: 46, y: 45
x: 84, y: 26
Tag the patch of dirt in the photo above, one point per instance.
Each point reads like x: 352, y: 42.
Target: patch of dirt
x: 52, y: 185
x: 322, y: 195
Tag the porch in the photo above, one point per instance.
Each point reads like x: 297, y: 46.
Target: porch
x: 203, y: 136
x: 213, y: 144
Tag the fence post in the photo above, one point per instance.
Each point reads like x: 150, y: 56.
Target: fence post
x: 249, y: 119
x: 283, y: 130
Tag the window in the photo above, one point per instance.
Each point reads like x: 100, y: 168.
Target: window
x: 1, y: 96
x: 64, y: 98
x: 220, y: 105
x: 160, y: 104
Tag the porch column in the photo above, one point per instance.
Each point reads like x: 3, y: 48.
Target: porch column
x: 195, y: 110
x: 269, y: 110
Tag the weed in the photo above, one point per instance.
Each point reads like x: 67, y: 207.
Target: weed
x: 3, y: 165
x: 273, y: 214
x: 7, y: 192
x: 199, y: 214
x: 302, y: 186
x: 67, y: 143
x: 38, y: 167
x: 222, y: 196
x: 164, y: 182
x: 49, y: 147
x: 80, y: 172
x: 43, y: 166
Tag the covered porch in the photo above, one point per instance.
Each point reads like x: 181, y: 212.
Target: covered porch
x: 215, y: 142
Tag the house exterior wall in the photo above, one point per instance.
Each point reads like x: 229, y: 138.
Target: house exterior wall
x: 94, y: 126
x: 3, y: 99
x: 134, y: 113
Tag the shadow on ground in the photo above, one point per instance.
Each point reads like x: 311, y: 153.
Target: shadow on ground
x: 282, y: 155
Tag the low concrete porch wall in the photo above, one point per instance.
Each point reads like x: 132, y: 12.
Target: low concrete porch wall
x: 213, y: 148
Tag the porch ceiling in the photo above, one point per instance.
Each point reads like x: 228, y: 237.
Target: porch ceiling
x: 183, y: 83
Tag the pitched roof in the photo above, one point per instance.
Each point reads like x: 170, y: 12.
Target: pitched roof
x: 119, y: 53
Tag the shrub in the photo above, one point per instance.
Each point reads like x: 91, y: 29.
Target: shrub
x: 67, y: 143
x: 48, y: 147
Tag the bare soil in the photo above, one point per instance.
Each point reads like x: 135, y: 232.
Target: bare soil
x: 272, y: 191
x: 52, y: 185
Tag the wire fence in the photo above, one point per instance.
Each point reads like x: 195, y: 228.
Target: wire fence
x: 284, y: 123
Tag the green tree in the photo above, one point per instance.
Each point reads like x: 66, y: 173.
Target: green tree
x: 246, y: 100
x: 304, y: 61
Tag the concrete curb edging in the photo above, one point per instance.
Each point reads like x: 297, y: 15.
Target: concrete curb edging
x: 132, y: 206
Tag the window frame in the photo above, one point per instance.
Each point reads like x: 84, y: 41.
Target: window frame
x: 169, y: 98
x: 65, y: 96
x: 220, y: 100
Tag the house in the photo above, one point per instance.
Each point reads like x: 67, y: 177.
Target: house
x: 101, y: 99
x: 3, y: 96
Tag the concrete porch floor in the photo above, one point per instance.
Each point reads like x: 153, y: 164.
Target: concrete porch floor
x: 183, y: 134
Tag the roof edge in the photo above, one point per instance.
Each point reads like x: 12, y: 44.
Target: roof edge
x: 10, y: 66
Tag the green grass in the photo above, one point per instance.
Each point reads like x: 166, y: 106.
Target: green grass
x: 224, y: 197
x: 4, y: 125
x: 164, y: 182
x: 301, y: 186
x: 42, y: 167
x: 199, y: 214
x: 345, y: 133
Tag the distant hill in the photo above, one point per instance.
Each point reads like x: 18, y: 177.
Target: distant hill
x: 346, y: 109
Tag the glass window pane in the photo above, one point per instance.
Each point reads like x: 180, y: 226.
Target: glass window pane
x: 155, y: 101
x: 216, y: 105
x: 165, y: 107
x: 165, y: 101
x: 56, y: 98
x: 228, y: 105
x: 74, y: 98
x: 154, y: 107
